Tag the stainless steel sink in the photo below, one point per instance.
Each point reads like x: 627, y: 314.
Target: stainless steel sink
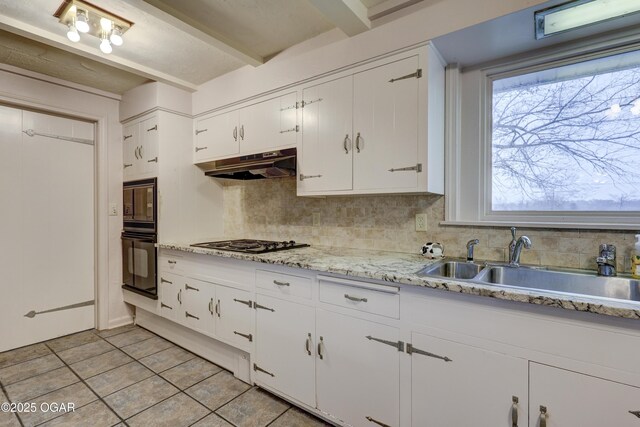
x: 576, y: 283
x: 453, y: 270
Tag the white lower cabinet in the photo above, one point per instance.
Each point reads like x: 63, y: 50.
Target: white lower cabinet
x: 357, y: 370
x: 455, y: 384
x: 169, y: 295
x: 198, y: 302
x: 285, y: 351
x: 235, y: 316
x: 562, y: 398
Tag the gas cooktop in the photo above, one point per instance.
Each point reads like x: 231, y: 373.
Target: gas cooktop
x: 250, y: 246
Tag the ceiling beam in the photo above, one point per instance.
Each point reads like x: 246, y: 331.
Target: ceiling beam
x: 160, y: 10
x: 61, y: 42
x: 388, y: 7
x: 348, y: 15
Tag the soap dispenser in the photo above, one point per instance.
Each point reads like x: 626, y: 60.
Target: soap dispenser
x: 635, y: 259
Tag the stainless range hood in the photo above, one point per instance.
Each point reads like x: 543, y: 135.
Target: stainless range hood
x: 271, y: 164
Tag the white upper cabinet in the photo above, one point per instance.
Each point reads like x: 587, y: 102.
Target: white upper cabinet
x: 377, y: 129
x: 255, y: 128
x: 140, y: 149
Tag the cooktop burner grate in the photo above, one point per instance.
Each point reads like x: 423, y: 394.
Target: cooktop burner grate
x: 250, y: 245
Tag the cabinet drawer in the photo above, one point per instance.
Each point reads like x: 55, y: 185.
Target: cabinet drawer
x: 361, y: 296
x: 284, y: 284
x: 169, y: 262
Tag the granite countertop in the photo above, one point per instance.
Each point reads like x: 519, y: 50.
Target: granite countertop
x: 402, y: 268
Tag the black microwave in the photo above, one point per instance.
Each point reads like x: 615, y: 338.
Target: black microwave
x: 139, y: 206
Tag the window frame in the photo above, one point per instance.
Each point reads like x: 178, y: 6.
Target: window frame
x: 485, y: 216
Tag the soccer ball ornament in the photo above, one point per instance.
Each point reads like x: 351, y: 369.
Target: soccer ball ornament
x: 433, y: 250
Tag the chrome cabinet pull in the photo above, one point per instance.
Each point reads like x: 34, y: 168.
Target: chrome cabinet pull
x: 154, y: 160
x: 163, y: 280
x: 242, y: 132
x: 163, y: 305
x: 358, y: 138
x: 411, y: 349
x: 127, y: 137
x: 346, y: 141
x: 180, y: 296
x: 172, y: 262
x: 320, y: 344
x: 257, y: 368
x: 127, y: 165
x: 218, y: 308
x: 303, y: 177
x: 187, y: 314
x: 201, y: 148
x: 153, y: 128
x: 247, y: 303
x: 356, y: 299
x: 211, y: 306
x: 135, y: 152
x: 543, y: 416
x: 417, y: 75
x: 247, y: 336
x: 636, y: 413
x: 279, y: 283
x: 417, y: 168
x: 514, y: 411
x: 199, y: 131
x: 190, y: 288
x: 235, y: 133
x: 256, y: 306
x: 140, y: 152
x: 308, y: 344
x: 373, y: 420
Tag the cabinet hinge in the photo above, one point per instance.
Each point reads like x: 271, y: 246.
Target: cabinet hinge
x: 373, y: 420
x: 257, y: 306
x: 417, y: 168
x: 303, y: 103
x: 248, y: 303
x: 153, y: 128
x: 291, y: 107
x: 257, y: 368
x: 411, y: 350
x: 417, y: 75
x: 247, y: 336
x: 397, y: 344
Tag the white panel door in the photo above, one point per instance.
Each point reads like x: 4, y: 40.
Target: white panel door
x: 288, y: 119
x: 198, y: 305
x: 170, y: 295
x: 56, y: 243
x: 217, y: 137
x: 324, y: 163
x: 130, y: 147
x: 150, y: 147
x: 572, y: 399
x: 285, y: 348
x: 475, y: 387
x: 235, y: 322
x: 343, y: 354
x: 385, y: 127
x: 259, y: 128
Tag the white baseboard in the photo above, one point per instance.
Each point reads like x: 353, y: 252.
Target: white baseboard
x: 120, y: 321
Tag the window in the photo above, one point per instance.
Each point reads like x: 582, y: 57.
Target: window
x: 568, y: 138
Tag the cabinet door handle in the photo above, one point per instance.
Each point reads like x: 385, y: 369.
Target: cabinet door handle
x: 163, y: 280
x: 320, y: 344
x: 218, y: 308
x: 358, y: 138
x: 247, y: 303
x: 180, y: 296
x: 172, y: 262
x: 636, y: 413
x: 135, y: 152
x: 199, y: 131
x: 235, y: 133
x: 190, y: 288
x: 187, y: 314
x: 163, y: 305
x: 373, y: 420
x: 140, y: 151
x: 247, y: 336
x: 127, y: 165
x: 211, y: 306
x: 154, y: 160
x: 514, y: 411
x: 279, y: 283
x: 153, y: 128
x: 201, y: 148
x: 543, y: 416
x: 308, y: 344
x: 346, y: 143
x: 356, y: 299
x: 242, y: 132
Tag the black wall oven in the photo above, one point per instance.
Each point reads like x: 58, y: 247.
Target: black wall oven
x: 139, y: 254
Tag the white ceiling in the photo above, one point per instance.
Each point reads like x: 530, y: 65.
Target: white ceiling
x: 182, y: 43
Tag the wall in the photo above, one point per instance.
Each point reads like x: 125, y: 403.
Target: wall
x: 269, y: 209
x: 35, y: 91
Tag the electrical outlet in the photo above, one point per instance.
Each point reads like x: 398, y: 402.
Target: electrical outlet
x: 421, y: 222
x: 113, y: 209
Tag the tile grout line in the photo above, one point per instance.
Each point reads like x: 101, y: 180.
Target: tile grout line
x: 9, y: 400
x: 51, y: 391
x: 279, y: 416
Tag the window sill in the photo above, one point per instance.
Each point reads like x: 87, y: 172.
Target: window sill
x: 531, y: 224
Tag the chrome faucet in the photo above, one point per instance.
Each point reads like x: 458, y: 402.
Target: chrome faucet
x: 470, y: 244
x: 606, y: 260
x: 514, y: 258
x: 512, y: 244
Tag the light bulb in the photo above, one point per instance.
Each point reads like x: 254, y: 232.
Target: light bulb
x: 82, y: 22
x: 116, y: 36
x: 72, y: 34
x: 105, y: 46
x: 105, y: 24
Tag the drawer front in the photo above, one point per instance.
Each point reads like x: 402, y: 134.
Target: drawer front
x: 284, y: 284
x: 169, y: 262
x: 369, y: 298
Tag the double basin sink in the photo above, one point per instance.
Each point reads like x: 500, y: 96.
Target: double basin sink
x: 572, y: 282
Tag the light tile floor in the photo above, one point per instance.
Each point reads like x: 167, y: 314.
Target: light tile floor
x: 130, y: 376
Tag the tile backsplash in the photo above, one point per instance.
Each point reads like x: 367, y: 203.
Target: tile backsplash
x: 270, y: 209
